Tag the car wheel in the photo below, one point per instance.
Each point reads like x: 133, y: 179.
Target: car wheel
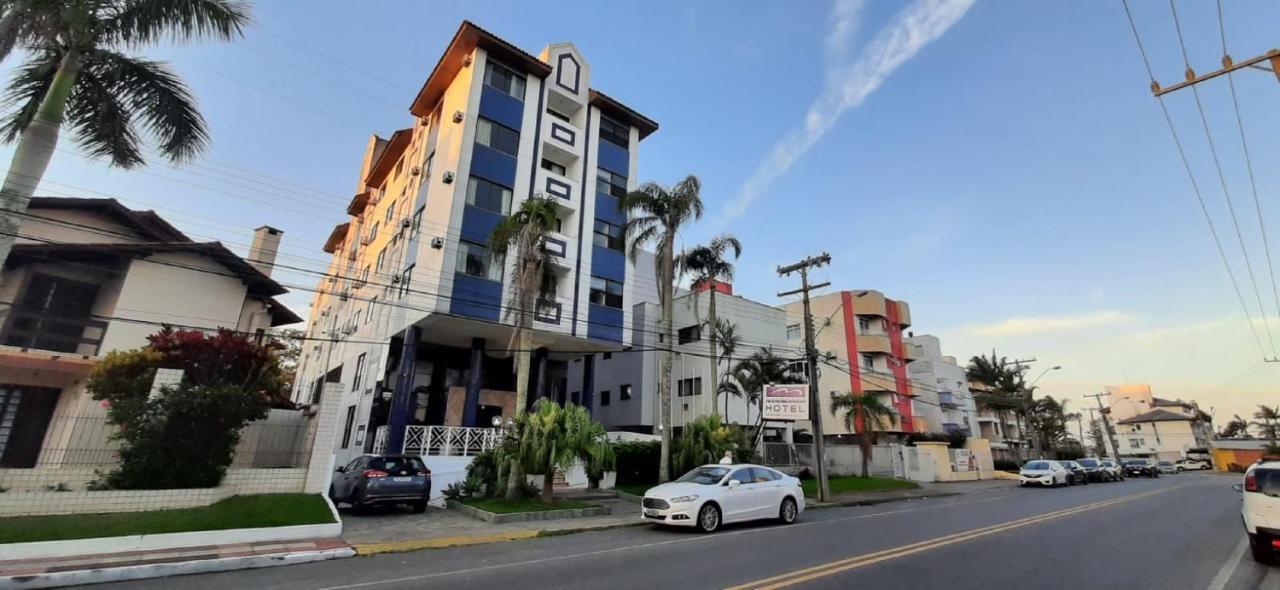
x: 358, y: 505
x: 787, y: 512
x: 1261, y: 552
x: 709, y: 518
x: 420, y: 506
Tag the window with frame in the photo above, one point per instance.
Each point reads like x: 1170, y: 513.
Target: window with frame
x: 868, y: 362
x: 624, y: 392
x: 689, y: 334
x: 391, y: 212
x: 417, y: 224
x: 489, y: 196
x: 426, y: 166
x: 497, y: 136
x: 689, y: 387
x: 604, y: 397
x: 793, y: 332
x: 864, y: 325
x: 611, y: 183
x: 478, y: 260
x: 606, y: 292
x: 1135, y: 443
x: 382, y: 257
x: 609, y: 236
x: 502, y: 78
x: 346, y: 430
x: 359, y: 375
x: 404, y: 280
x: 553, y: 167
x: 615, y: 132
x: 373, y: 306
x: 559, y: 115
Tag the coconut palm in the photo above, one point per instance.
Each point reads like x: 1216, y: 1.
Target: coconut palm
x: 523, y: 233
x: 753, y: 373
x: 1268, y: 421
x: 657, y: 214
x: 708, y: 264
x: 866, y: 412
x: 555, y: 437
x: 1237, y: 427
x: 726, y: 334
x: 76, y: 71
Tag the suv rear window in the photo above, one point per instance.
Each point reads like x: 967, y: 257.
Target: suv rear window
x: 1268, y: 481
x: 397, y: 465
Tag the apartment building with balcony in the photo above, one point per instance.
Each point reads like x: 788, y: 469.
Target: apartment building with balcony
x: 417, y: 307
x: 860, y: 335
x: 90, y: 276
x: 943, y: 401
x: 1159, y: 428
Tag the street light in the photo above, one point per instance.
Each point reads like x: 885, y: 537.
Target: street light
x: 1042, y: 374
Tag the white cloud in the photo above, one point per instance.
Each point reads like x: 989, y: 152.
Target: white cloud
x: 1023, y: 326
x: 848, y: 85
x: 1168, y: 335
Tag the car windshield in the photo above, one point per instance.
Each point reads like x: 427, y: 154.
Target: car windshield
x: 709, y: 475
x: 1036, y: 466
x: 1089, y: 462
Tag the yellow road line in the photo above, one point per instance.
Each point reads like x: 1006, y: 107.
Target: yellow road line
x: 811, y: 573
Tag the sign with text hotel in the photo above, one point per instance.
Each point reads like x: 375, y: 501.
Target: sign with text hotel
x: 786, y: 402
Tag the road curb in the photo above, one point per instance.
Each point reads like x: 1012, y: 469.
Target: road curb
x: 874, y: 501
x: 161, y: 570
x: 365, y: 549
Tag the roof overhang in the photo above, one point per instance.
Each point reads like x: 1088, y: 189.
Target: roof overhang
x: 336, y: 236
x: 468, y: 37
x: 617, y: 110
x: 358, y: 202
x: 388, y: 158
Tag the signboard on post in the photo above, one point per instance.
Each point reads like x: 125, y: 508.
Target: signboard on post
x: 786, y: 402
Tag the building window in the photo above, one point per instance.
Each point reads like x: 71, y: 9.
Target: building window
x: 688, y: 387
x: 624, y: 392
x: 478, y: 261
x: 604, y: 397
x: 552, y: 166
x: 1135, y: 443
x: 609, y: 236
x: 610, y: 183
x: 359, y: 376
x: 498, y: 137
x: 505, y: 79
x: 606, y: 292
x: 404, y: 281
x: 382, y: 257
x: 793, y: 332
x: 864, y: 325
x: 391, y: 212
x: 346, y: 431
x: 559, y: 115
x: 606, y: 356
x: 689, y: 334
x: 373, y: 306
x: 426, y: 166
x: 417, y: 224
x: 615, y: 132
x: 488, y: 196
x: 868, y: 362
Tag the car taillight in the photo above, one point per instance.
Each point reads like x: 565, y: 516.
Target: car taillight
x: 424, y: 472
x: 1250, y: 482
x: 374, y: 473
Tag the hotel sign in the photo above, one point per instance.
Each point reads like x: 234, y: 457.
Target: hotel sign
x: 786, y: 402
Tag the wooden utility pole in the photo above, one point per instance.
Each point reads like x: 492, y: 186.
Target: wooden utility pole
x: 811, y: 355
x: 1106, y: 425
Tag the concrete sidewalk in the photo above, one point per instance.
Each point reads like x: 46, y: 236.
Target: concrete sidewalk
x: 134, y: 565
x: 926, y: 490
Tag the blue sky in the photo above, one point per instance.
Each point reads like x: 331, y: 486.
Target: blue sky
x: 1012, y: 177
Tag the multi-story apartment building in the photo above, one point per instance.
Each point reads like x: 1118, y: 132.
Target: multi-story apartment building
x: 627, y: 383
x: 943, y: 402
x: 91, y: 276
x: 859, y: 335
x: 417, y: 306
x: 1149, y: 426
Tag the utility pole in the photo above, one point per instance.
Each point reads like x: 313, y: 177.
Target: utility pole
x: 811, y: 354
x: 1106, y: 425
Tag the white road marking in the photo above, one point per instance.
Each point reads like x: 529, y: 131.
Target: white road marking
x: 1229, y: 567
x: 720, y: 535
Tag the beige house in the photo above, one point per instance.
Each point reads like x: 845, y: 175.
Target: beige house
x: 1149, y: 426
x: 89, y: 276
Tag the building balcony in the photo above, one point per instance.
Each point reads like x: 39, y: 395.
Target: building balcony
x: 946, y: 399
x: 46, y: 331
x: 559, y: 246
x: 562, y: 141
x: 565, y: 192
x: 874, y: 343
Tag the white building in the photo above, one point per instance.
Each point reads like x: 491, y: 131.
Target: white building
x: 943, y: 398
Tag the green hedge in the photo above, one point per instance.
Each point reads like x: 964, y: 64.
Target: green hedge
x: 637, y: 462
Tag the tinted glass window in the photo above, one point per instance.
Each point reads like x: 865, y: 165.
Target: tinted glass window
x: 762, y: 475
x: 487, y: 195
x: 606, y: 292
x: 615, y: 132
x: 742, y: 475
x: 1268, y: 481
x: 478, y: 261
x: 397, y: 465
x: 611, y: 184
x: 608, y: 235
x: 498, y: 137
x: 1036, y: 465
x: 704, y: 475
x: 505, y: 79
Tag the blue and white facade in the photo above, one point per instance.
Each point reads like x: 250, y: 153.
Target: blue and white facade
x: 492, y: 126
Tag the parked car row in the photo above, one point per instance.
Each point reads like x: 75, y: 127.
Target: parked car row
x: 1050, y: 473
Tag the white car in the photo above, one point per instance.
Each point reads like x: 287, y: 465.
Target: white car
x: 1191, y: 465
x: 1261, y: 509
x: 1046, y: 473
x: 712, y: 495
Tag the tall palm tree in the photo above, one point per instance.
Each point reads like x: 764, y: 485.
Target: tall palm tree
x: 657, y: 214
x: 708, y: 264
x: 762, y: 368
x: 76, y: 71
x: 524, y: 233
x: 1237, y: 427
x: 868, y: 412
x: 727, y: 337
x: 1268, y: 421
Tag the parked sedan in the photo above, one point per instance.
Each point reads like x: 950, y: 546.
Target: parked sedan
x: 712, y: 495
x: 1143, y: 467
x: 382, y: 479
x: 1046, y: 473
x: 1077, y: 471
x: 1192, y: 465
x: 1167, y: 467
x: 1114, y: 469
x: 1093, y: 469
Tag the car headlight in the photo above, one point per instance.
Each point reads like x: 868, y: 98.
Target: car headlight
x: 683, y: 499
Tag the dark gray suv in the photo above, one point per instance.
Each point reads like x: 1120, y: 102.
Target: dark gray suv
x: 382, y: 479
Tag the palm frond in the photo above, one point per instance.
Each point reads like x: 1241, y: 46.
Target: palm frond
x: 103, y: 124
x: 27, y: 88
x: 157, y: 98
x: 139, y: 22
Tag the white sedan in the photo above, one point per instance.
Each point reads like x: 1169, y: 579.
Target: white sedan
x: 712, y: 495
x: 1046, y: 473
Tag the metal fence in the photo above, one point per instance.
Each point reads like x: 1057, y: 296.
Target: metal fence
x: 442, y: 441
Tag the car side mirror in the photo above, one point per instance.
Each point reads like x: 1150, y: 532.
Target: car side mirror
x: 1238, y: 487
x: 733, y: 483
x: 340, y: 469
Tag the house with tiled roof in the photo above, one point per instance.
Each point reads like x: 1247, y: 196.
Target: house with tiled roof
x: 1163, y: 433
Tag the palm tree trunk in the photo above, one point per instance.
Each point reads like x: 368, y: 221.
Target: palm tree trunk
x: 664, y: 378
x: 515, y: 477
x: 34, y: 150
x: 715, y: 359
x: 864, y: 441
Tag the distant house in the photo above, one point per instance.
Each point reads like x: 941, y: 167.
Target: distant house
x: 89, y: 276
x: 1162, y: 434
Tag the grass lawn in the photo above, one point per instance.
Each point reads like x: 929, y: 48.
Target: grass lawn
x: 635, y: 489
x: 263, y: 510
x: 847, y: 484
x: 504, y: 506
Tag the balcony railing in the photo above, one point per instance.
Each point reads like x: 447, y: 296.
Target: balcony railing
x: 41, y: 330
x: 442, y: 441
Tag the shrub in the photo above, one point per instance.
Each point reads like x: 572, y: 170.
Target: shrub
x: 706, y: 440
x: 637, y: 462
x: 483, y: 469
x: 1005, y: 465
x: 454, y: 491
x: 61, y: 487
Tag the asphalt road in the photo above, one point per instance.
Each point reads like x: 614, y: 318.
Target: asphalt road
x: 1178, y: 531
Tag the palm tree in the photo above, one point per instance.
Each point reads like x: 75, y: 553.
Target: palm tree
x: 656, y: 214
x: 758, y: 370
x: 1268, y: 421
x: 524, y: 232
x: 726, y: 333
x: 707, y: 265
x: 555, y: 437
x: 76, y: 72
x: 1237, y: 427
x: 866, y: 411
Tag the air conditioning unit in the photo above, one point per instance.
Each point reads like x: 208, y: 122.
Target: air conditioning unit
x: 437, y: 243
x: 333, y: 280
x: 349, y: 330
x: 415, y: 171
x: 406, y: 222
x: 343, y: 296
x: 457, y: 116
x: 448, y: 178
x: 395, y: 279
x: 466, y: 60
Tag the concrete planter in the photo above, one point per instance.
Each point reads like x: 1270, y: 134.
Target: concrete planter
x: 495, y: 518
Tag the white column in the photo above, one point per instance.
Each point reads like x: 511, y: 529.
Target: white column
x: 320, y: 466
